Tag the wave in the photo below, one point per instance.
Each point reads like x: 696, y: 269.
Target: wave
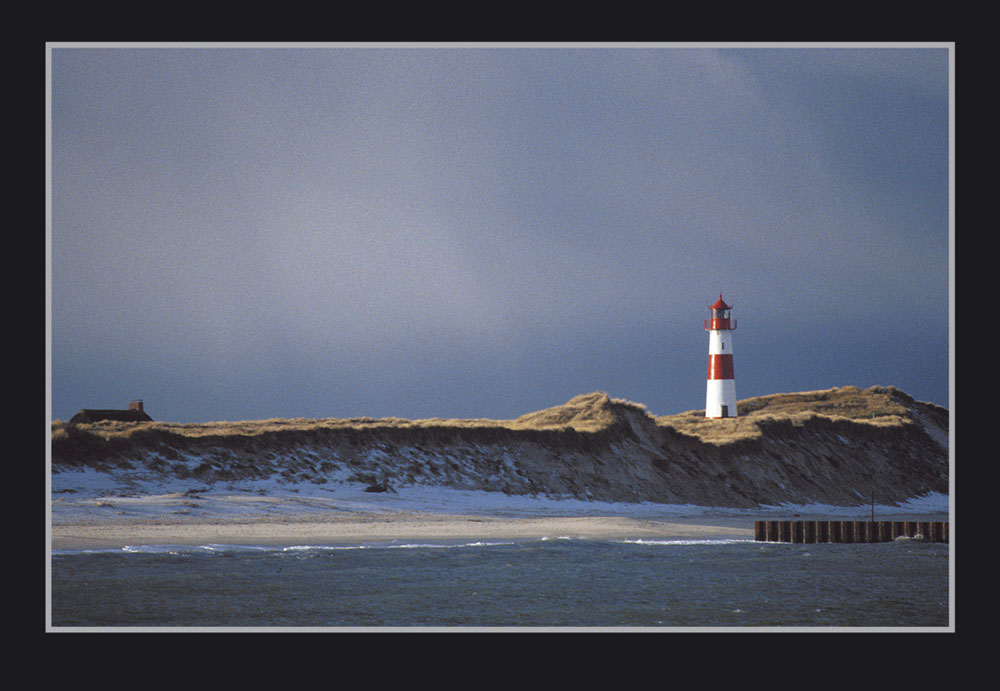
x: 688, y: 541
x: 216, y: 548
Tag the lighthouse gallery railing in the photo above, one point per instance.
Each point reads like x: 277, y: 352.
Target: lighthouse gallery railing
x: 714, y: 327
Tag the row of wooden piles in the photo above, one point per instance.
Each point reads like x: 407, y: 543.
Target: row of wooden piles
x: 849, y: 531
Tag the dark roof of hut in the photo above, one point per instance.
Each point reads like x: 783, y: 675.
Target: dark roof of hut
x: 92, y: 415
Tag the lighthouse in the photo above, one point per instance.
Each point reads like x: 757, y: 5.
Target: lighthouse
x: 720, y: 396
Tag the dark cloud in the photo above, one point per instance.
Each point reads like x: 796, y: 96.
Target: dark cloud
x: 483, y: 232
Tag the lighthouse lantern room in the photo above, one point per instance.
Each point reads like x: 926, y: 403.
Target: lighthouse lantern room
x: 720, y: 397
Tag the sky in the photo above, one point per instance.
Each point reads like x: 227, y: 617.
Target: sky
x: 481, y: 231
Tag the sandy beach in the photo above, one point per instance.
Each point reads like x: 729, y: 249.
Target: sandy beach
x: 88, y: 520
x: 92, y: 533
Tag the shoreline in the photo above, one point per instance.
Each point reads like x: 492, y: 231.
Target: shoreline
x: 92, y: 534
x: 109, y: 521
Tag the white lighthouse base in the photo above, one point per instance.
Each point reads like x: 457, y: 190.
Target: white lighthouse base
x: 720, y: 398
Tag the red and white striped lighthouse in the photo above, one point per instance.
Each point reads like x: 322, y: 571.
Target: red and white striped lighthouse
x: 720, y: 397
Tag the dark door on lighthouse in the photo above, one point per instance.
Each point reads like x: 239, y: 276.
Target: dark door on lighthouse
x: 725, y: 411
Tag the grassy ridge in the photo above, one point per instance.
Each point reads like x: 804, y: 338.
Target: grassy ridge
x: 592, y: 412
x: 880, y: 406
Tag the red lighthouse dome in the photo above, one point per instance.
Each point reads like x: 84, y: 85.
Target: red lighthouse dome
x: 720, y: 317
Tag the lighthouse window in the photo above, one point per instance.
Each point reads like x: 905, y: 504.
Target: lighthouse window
x: 723, y: 345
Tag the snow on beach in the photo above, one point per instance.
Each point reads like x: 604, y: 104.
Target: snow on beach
x: 86, y: 493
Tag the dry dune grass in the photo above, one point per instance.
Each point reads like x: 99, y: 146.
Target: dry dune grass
x: 845, y: 401
x: 877, y: 405
x: 587, y: 413
x: 109, y: 429
x: 723, y: 431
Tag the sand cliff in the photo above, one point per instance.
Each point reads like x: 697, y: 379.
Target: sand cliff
x: 836, y: 446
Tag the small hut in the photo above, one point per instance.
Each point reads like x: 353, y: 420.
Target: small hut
x: 135, y: 413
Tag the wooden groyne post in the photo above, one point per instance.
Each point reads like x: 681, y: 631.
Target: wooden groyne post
x: 849, y: 531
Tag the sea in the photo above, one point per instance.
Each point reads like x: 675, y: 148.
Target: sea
x: 556, y: 583
x: 526, y: 584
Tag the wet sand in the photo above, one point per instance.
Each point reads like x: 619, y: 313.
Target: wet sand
x: 361, y: 527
